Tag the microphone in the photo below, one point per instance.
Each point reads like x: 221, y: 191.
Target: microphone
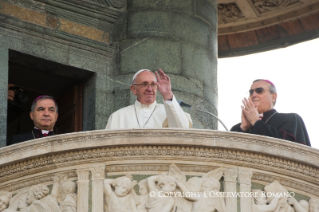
x: 182, y: 104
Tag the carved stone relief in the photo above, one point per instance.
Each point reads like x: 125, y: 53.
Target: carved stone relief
x: 34, y: 181
x: 38, y: 198
x: 157, y: 167
x: 271, y: 5
x: 220, y: 155
x: 313, y: 205
x: 276, y: 198
x: 165, y: 193
x: 5, y: 197
x: 228, y: 13
x: 78, y: 179
x: 68, y: 197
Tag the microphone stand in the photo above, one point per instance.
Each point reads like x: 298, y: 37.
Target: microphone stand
x: 214, y: 117
x: 182, y: 104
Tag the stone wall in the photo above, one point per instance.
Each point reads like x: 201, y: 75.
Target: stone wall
x: 114, y: 39
x: 72, y: 33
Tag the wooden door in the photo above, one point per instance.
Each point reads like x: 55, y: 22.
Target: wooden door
x: 70, y: 110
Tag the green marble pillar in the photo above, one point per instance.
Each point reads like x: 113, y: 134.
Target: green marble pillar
x: 4, y: 61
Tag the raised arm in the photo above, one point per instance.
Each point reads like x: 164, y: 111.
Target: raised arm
x: 176, y: 117
x: 108, y: 189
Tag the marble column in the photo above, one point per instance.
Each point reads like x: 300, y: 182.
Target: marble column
x: 98, y: 176
x: 244, y: 178
x: 83, y: 190
x: 4, y: 70
x: 180, y: 37
x: 230, y: 182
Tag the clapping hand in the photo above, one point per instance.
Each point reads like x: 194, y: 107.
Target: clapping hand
x: 249, y: 114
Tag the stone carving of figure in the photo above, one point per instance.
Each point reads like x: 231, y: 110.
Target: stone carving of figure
x: 314, y: 205
x: 228, y: 13
x: 68, y: 197
x: 123, y: 198
x: 181, y: 204
x: 41, y: 200
x: 143, y: 190
x: 5, y: 197
x: 194, y: 184
x: 23, y: 205
x: 159, y: 185
x: 276, y: 187
x: 38, y: 198
x: 18, y: 202
x: 205, y: 200
x: 269, y: 5
x: 301, y: 206
x: 259, y: 202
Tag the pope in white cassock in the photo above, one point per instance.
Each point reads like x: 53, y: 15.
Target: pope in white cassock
x: 146, y: 112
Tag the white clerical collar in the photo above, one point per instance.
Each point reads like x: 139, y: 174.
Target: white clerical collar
x: 43, y: 131
x: 139, y: 105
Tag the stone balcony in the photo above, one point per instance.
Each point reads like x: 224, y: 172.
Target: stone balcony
x: 91, y: 164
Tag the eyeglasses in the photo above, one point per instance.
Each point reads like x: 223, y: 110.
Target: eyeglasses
x: 257, y: 90
x: 146, y: 84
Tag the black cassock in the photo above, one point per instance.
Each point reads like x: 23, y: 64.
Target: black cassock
x: 34, y: 134
x: 288, y: 126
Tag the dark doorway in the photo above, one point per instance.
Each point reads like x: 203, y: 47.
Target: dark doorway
x: 36, y: 77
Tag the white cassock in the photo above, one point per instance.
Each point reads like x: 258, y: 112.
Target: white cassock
x: 169, y: 114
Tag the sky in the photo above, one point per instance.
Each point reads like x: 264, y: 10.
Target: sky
x: 294, y: 70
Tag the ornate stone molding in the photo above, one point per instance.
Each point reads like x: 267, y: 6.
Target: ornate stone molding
x: 221, y: 155
x: 230, y: 175
x: 192, y: 137
x: 157, y: 168
x: 294, y: 184
x: 188, y: 146
x: 263, y: 6
x: 260, y: 14
x: 98, y: 172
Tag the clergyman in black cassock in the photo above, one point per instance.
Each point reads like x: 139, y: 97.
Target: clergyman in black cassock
x: 260, y: 118
x: 44, y: 113
x: 288, y: 126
